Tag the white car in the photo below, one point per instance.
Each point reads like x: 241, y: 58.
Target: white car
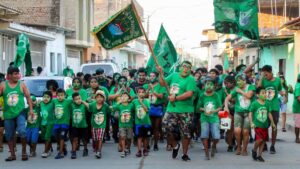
x: 109, y: 68
x: 37, y: 84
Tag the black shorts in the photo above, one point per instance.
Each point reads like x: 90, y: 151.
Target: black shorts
x: 81, y: 133
x: 1, y: 123
x: 143, y: 131
x: 61, y: 133
x: 275, y: 115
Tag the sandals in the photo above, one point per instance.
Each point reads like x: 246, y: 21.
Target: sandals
x: 11, y: 158
x: 24, y: 157
x: 283, y: 130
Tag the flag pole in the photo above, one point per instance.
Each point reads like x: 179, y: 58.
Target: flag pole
x: 149, y: 45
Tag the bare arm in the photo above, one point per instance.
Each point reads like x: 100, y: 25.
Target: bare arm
x: 27, y: 95
x: 226, y: 102
x: 143, y: 105
x: 248, y: 95
x: 249, y: 67
x: 185, y: 96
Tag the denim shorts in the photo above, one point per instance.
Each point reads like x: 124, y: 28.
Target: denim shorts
x: 32, y: 135
x: 213, y: 128
x: 61, y: 131
x: 16, y: 124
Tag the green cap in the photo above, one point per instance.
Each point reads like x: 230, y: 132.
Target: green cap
x: 33, y: 98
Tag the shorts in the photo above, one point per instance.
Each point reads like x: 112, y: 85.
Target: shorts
x: 98, y: 134
x: 283, y: 108
x: 213, y: 128
x: 143, y: 131
x: 156, y: 110
x: 47, y: 132
x: 261, y: 134
x: 61, y: 131
x: 81, y: 133
x: 275, y: 115
x: 126, y: 133
x: 181, y: 124
x: 241, y: 120
x: 297, y: 120
x: 16, y: 124
x: 32, y: 135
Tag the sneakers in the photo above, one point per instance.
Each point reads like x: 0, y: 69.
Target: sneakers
x: 260, y: 159
x: 32, y: 154
x: 98, y: 155
x: 230, y: 149
x: 254, y: 155
x: 59, y: 156
x: 145, y: 152
x: 138, y: 154
x: 283, y: 130
x: 175, y: 151
x: 65, y: 152
x: 272, y: 150
x: 155, y: 147
x: 265, y: 148
x: 127, y: 151
x: 73, y: 155
x: 45, y: 155
x: 185, y: 158
x: 85, y: 153
x: 123, y: 154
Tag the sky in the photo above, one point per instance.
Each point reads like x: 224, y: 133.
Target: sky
x: 183, y: 20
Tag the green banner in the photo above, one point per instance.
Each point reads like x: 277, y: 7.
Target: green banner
x: 165, y: 53
x: 23, y: 54
x: 226, y: 62
x: 237, y: 17
x: 119, y: 29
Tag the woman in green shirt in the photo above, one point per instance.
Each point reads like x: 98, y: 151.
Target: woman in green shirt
x: 77, y: 88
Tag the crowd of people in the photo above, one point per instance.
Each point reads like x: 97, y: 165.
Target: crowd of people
x: 135, y: 106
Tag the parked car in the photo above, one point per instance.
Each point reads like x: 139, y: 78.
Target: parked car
x: 109, y: 68
x: 37, y: 84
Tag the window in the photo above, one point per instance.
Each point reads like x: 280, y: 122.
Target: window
x: 282, y: 66
x: 242, y: 61
x: 247, y: 60
x: 59, y: 64
x: 52, y: 62
x: 93, y: 58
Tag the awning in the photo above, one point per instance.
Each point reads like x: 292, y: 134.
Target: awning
x: 6, y: 10
x: 15, y: 29
x: 207, y: 43
x: 292, y: 25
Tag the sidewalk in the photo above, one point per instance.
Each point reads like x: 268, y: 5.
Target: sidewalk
x: 290, y: 124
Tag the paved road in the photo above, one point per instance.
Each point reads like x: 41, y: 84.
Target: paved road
x: 288, y: 156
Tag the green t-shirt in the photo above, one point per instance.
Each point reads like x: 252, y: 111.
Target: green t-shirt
x: 125, y: 115
x: 47, y: 113
x: 260, y: 114
x: 141, y: 116
x: 272, y: 89
x: 242, y: 103
x: 232, y: 101
x: 33, y: 120
x: 62, y: 114
x: 114, y: 90
x: 91, y: 94
x: 82, y: 93
x: 296, y: 103
x: 78, y: 115
x: 157, y: 89
x: 179, y: 85
x: 68, y: 72
x: 209, y: 103
x: 99, y: 116
x: 222, y: 95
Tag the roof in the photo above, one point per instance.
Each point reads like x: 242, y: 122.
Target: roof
x: 207, y: 43
x: 292, y: 25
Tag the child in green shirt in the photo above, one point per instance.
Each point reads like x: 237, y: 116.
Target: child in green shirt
x: 61, y: 121
x: 79, y: 129
x: 123, y: 111
x: 259, y: 115
x: 142, y: 121
x: 99, y: 111
x: 47, y: 120
x: 33, y: 126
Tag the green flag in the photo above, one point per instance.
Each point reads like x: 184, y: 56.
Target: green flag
x: 119, y: 29
x: 23, y: 53
x: 226, y: 62
x: 165, y: 53
x: 237, y: 17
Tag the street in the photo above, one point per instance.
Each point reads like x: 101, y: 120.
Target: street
x: 287, y: 156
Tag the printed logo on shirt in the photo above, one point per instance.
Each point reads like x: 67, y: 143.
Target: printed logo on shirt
x: 44, y: 114
x: 77, y: 116
x: 244, y: 102
x: 125, y: 116
x: 99, y: 118
x: 209, y: 107
x: 59, y: 112
x: 270, y: 93
x: 140, y: 112
x: 262, y: 114
x: 175, y: 87
x: 32, y: 118
x: 152, y: 98
x: 13, y: 98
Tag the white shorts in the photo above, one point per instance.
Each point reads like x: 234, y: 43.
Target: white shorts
x: 283, y: 108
